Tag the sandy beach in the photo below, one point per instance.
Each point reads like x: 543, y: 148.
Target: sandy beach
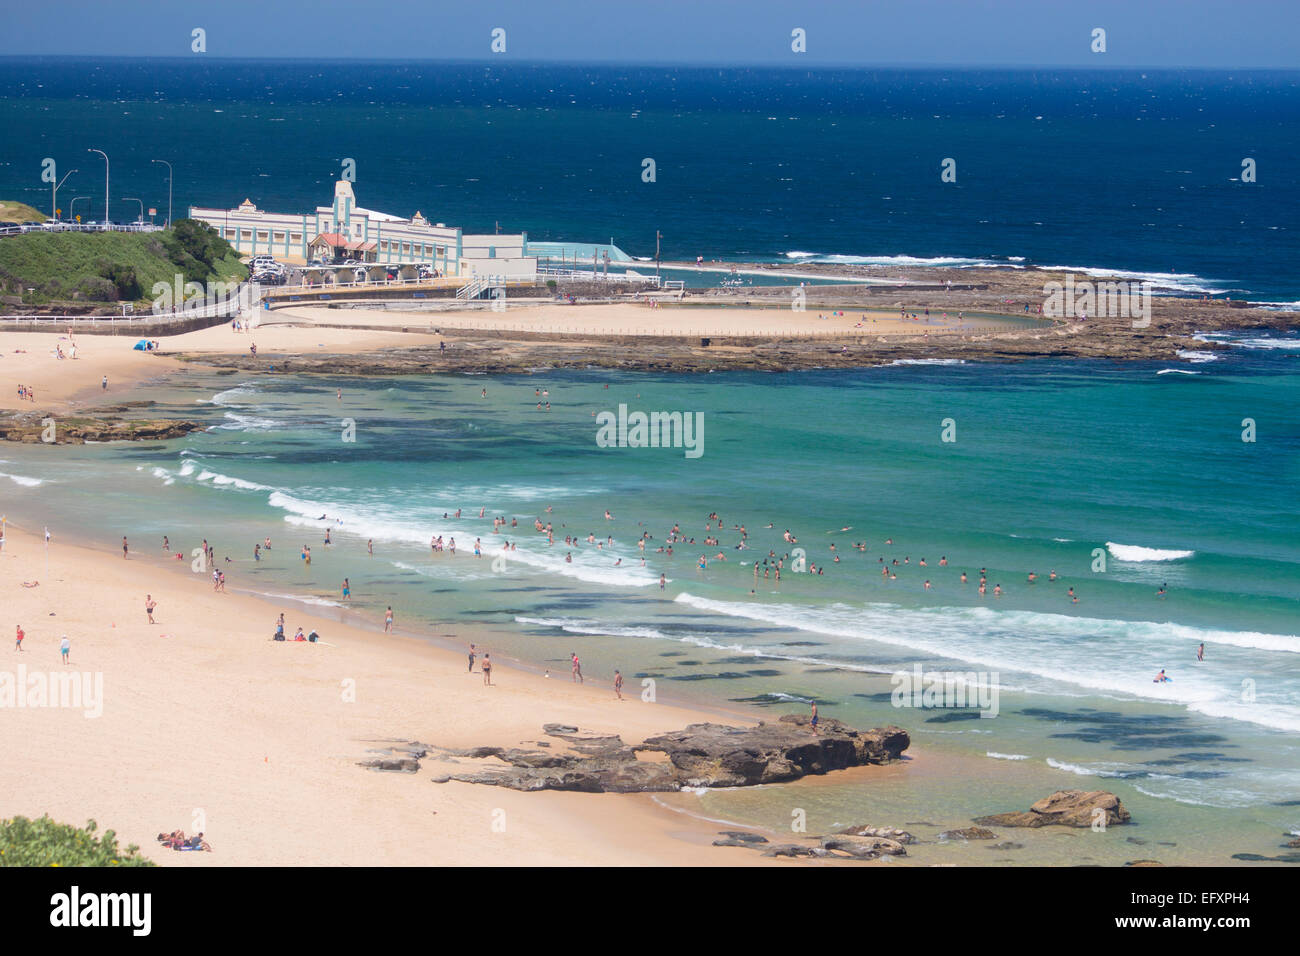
x: 207, y: 724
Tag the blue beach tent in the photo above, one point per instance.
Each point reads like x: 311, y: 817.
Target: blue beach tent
x: 142, y: 345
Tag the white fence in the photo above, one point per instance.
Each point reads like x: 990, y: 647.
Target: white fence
x: 81, y: 227
x: 247, y: 297
x: 550, y: 272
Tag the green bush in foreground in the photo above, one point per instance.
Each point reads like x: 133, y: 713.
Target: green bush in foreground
x: 45, y: 842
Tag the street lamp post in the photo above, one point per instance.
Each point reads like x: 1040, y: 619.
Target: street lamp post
x: 107, y: 217
x: 169, y: 188
x: 133, y: 199
x: 73, y: 205
x: 54, y: 199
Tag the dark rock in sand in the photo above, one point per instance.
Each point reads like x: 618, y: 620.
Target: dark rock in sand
x: 864, y: 848
x: 1144, y: 863
x: 709, y: 755
x: 1067, y: 808
x: 742, y: 836
x: 716, y: 755
x: 968, y: 833
x: 392, y: 764
x: 1005, y: 846
x: 887, y: 833
x: 793, y: 849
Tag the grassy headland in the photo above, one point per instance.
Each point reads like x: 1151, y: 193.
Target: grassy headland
x: 76, y: 268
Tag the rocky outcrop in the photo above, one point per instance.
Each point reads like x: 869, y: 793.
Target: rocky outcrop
x: 717, y: 755
x: 839, y: 846
x: 968, y: 833
x: 887, y: 833
x: 701, y: 755
x: 863, y: 848
x: 739, y: 838
x: 34, y: 428
x: 1066, y: 808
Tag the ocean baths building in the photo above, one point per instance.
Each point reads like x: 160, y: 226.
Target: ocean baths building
x: 345, y: 230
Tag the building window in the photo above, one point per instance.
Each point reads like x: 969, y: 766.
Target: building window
x: 279, y: 237
x: 295, y: 237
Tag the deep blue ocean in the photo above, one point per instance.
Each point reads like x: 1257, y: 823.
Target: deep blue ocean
x: 1126, y: 170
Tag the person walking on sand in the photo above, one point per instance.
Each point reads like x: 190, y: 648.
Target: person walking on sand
x: 618, y: 684
x: 18, y: 645
x: 471, y: 659
x: 815, y: 718
x: 487, y: 669
x: 124, y: 546
x: 64, y: 647
x: 149, y: 605
x: 388, y: 619
x: 577, y: 668
x: 104, y: 383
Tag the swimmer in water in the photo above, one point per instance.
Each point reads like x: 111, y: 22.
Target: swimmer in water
x: 1161, y: 678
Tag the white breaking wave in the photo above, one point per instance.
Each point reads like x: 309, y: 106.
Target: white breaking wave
x: 23, y: 480
x: 241, y: 390
x: 956, y: 262
x: 1135, y: 553
x: 1197, y: 357
x: 1254, y: 342
x: 929, y: 361
x: 1085, y: 771
x: 1171, y: 281
x: 302, y: 599
x: 251, y: 423
x: 1114, y: 657
x: 591, y: 627
x: 1177, y: 371
x: 590, y: 564
x: 997, y: 756
x: 220, y: 479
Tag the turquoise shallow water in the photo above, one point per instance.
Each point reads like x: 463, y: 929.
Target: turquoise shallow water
x: 1054, y: 467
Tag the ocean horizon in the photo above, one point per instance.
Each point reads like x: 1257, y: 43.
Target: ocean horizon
x: 1135, y: 172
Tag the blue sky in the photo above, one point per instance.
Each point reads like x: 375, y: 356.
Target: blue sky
x: 1230, y: 34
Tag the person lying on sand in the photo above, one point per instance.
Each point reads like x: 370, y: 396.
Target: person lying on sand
x: 177, y: 840
x: 31, y: 584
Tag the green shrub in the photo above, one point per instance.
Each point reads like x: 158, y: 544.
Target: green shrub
x: 97, y: 289
x: 44, y: 842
